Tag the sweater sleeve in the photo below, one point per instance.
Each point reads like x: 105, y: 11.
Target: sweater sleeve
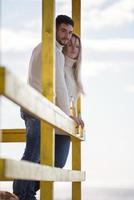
x: 34, y: 75
x: 62, y: 98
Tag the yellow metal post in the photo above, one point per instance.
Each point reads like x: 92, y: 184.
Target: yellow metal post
x: 2, y: 88
x: 48, y: 52
x: 76, y: 144
x: 2, y: 80
x: 2, y: 168
x: 76, y: 15
x: 76, y: 165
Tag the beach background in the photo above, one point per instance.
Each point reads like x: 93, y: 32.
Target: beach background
x: 107, y: 35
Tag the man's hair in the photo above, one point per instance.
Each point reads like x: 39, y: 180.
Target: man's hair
x: 64, y: 19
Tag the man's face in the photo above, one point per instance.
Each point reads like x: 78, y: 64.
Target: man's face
x: 64, y: 33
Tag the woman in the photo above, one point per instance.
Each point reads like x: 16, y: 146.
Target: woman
x: 72, y: 69
x: 72, y: 53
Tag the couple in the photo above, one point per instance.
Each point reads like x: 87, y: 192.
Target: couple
x: 68, y: 84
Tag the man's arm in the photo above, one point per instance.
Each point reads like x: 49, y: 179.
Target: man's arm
x: 34, y: 74
x: 62, y: 98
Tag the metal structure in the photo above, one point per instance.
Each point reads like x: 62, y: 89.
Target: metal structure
x: 16, y: 91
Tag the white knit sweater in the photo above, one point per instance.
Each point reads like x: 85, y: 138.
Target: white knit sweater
x: 62, y: 98
x: 69, y: 77
x: 65, y: 85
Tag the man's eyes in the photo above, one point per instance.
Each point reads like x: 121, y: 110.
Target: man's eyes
x: 65, y: 31
x: 76, y: 46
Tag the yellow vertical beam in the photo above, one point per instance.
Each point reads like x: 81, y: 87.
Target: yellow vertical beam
x: 48, y: 52
x: 76, y: 144
x: 2, y: 88
x: 76, y: 165
x: 2, y: 80
x: 76, y: 15
x: 2, y: 169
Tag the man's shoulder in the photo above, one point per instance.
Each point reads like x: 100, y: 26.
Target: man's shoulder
x: 36, y: 53
x: 37, y: 48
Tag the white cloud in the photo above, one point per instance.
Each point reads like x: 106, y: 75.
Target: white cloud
x: 130, y: 88
x: 63, y: 7
x: 34, y: 24
x: 93, y: 69
x: 115, y: 44
x: 112, y: 55
x: 18, y: 41
x: 86, y: 5
x: 114, y: 15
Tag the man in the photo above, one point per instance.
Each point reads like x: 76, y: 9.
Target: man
x: 26, y: 190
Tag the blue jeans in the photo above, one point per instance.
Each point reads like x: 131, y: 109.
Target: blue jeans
x: 26, y: 190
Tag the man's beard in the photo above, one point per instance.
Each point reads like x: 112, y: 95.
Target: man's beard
x: 64, y: 43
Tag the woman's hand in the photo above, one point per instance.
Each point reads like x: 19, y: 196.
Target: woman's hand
x: 78, y: 121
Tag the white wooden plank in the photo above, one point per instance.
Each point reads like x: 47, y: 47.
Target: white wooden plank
x: 27, y: 170
x: 28, y: 98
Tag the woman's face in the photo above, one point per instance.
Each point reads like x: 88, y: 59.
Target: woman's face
x: 73, y: 48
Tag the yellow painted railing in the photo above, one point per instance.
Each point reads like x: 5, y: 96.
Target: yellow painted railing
x: 52, y: 117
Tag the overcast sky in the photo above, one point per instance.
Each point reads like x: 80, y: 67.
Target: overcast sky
x: 107, y: 74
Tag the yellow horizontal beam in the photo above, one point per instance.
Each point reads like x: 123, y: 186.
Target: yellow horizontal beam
x: 13, y: 135
x: 6, y: 179
x: 30, y: 171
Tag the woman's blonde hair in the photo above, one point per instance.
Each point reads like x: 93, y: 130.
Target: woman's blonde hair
x: 77, y: 67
